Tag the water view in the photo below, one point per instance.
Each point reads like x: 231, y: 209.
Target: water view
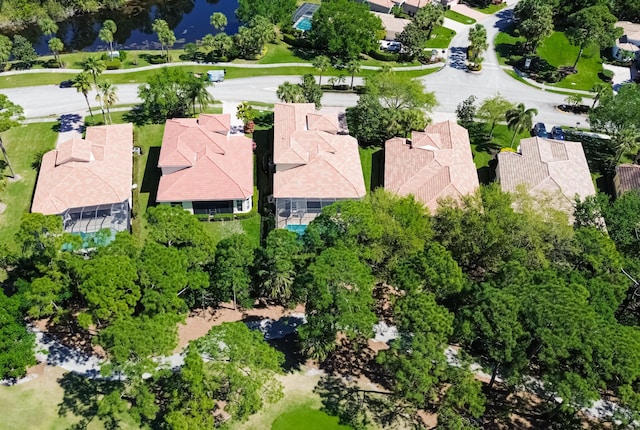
x: 189, y: 19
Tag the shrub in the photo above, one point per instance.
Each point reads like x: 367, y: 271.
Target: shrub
x: 474, y: 67
x: 383, y: 56
x: 113, y: 64
x: 122, y: 55
x: 606, y: 75
x: 223, y: 217
x: 298, y: 42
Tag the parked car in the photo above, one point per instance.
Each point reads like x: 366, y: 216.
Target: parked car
x: 66, y: 84
x: 539, y: 130
x: 557, y: 133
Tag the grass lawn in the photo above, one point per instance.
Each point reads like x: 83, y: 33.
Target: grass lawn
x: 23, y: 144
x: 222, y: 229
x: 35, y: 405
x: 502, y: 136
x: 557, y: 50
x: 492, y: 8
x: 505, y: 42
x: 146, y: 174
x: 308, y: 419
x: 372, y: 168
x: 440, y: 38
x: 452, y: 14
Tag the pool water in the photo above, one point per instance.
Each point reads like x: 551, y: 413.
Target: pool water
x: 304, y: 23
x: 297, y: 228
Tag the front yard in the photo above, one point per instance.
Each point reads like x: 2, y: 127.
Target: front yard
x: 24, y: 146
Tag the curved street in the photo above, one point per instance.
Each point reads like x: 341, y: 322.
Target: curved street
x: 451, y: 85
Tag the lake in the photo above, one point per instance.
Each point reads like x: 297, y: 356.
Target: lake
x: 189, y: 20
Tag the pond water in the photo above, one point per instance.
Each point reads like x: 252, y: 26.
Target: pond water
x: 189, y: 20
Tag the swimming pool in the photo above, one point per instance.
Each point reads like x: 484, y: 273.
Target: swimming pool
x: 297, y: 228
x: 303, y: 23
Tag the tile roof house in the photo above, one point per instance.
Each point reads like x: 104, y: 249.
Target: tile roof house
x: 549, y: 167
x: 206, y: 169
x: 392, y: 26
x: 316, y: 162
x: 88, y: 181
x: 433, y: 164
x: 627, y: 178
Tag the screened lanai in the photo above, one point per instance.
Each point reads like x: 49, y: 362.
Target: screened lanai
x: 299, y: 211
x: 90, y: 219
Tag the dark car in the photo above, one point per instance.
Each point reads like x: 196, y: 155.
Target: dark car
x: 539, y: 130
x: 557, y: 133
x: 66, y: 84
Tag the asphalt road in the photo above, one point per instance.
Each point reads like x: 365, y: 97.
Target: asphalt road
x: 451, y: 85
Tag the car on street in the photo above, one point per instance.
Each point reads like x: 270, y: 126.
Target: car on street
x: 557, y: 133
x: 66, y: 84
x: 540, y: 130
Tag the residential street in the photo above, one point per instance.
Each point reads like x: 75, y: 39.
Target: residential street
x: 451, y: 85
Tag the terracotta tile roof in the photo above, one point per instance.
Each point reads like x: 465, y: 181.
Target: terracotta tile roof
x: 387, y: 4
x: 86, y: 172
x: 434, y: 164
x: 417, y: 3
x: 547, y: 166
x: 207, y: 164
x: 314, y: 156
x: 627, y: 178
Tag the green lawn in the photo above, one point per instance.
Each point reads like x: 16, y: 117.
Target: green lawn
x: 440, y: 38
x: 502, y: 136
x: 308, y: 419
x: 451, y: 14
x: 492, y: 8
x: 222, y: 229
x: 557, y: 50
x: 23, y: 145
x: 371, y: 160
x: 35, y: 404
x: 146, y: 174
x: 505, y: 42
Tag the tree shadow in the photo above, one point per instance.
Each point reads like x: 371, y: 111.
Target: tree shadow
x: 151, y: 177
x: 67, y: 122
x: 505, y: 21
x: 290, y: 347
x: 377, y: 169
x: 82, y: 398
x: 458, y: 57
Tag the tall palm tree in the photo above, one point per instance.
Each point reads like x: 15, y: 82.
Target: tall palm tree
x: 322, y: 63
x: 107, y: 92
x: 108, y: 31
x: 218, y: 20
x: 197, y: 93
x: 95, y: 66
x: 520, y: 118
x: 56, y: 45
x: 478, y: 40
x: 601, y: 90
x: 429, y: 17
x: 353, y: 67
x: 290, y: 93
x: 627, y: 139
x: 82, y: 84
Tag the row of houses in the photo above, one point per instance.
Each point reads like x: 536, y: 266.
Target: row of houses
x: 206, y: 169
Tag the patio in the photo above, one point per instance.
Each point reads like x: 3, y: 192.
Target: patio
x: 91, y: 219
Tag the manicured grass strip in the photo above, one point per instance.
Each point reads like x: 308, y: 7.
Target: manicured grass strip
x: 440, y: 38
x: 35, y: 79
x: 24, y: 144
x: 372, y: 169
x: 308, y: 419
x: 492, y: 8
x: 557, y: 50
x: 505, y: 43
x: 452, y: 14
x: 222, y: 229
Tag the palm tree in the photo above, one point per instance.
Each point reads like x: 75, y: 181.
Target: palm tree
x: 290, y: 93
x: 601, y: 90
x: 353, y: 67
x: 56, y: 45
x: 107, y: 92
x: 48, y: 26
x: 478, y: 40
x: 82, y: 84
x: 108, y: 30
x: 429, y: 17
x: 95, y: 66
x: 322, y: 63
x: 520, y: 118
x: 218, y: 20
x: 627, y: 142
x: 198, y: 94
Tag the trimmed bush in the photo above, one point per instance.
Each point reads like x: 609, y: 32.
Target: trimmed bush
x: 606, y: 75
x: 114, y: 64
x: 298, y: 42
x: 383, y: 56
